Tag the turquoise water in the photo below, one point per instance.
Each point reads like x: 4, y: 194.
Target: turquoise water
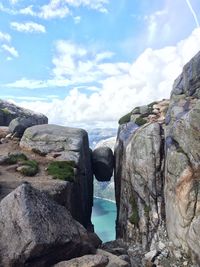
x: 103, y: 218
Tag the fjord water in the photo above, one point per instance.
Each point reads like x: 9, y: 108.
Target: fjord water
x: 103, y: 218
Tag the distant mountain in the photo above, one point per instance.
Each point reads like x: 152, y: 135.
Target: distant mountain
x: 98, y: 134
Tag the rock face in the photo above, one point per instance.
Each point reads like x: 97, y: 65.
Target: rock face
x: 139, y: 184
x: 103, y: 163
x: 157, y: 169
x: 36, y: 231
x: 182, y: 171
x: 9, y: 111
x: 68, y: 144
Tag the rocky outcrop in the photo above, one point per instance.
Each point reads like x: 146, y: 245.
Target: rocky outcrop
x: 68, y: 144
x: 139, y: 184
x: 36, y: 231
x: 182, y: 166
x: 103, y: 163
x: 157, y: 171
x: 9, y: 111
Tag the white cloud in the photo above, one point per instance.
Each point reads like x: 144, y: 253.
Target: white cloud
x: 10, y: 49
x: 4, y: 37
x: 13, y: 2
x: 77, y: 19
x: 30, y: 27
x: 148, y: 78
x: 62, y: 8
x: 35, y: 84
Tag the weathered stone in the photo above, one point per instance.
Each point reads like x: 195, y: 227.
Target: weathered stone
x: 32, y: 226
x: 9, y: 111
x: 141, y: 189
x: 70, y: 144
x: 85, y: 261
x: 113, y: 259
x: 103, y: 163
x: 182, y: 169
x: 19, y: 125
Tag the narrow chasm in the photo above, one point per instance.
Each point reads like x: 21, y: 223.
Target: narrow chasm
x: 104, y: 205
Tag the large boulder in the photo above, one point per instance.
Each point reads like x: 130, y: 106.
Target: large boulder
x: 85, y: 261
x: 67, y: 144
x: 9, y: 111
x: 36, y: 231
x: 103, y: 163
x: 19, y: 125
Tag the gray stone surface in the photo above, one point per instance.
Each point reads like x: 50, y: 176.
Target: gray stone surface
x: 67, y: 144
x: 36, y: 231
x: 19, y: 125
x: 9, y: 111
x: 103, y: 163
x: 85, y: 261
x: 182, y: 160
x: 140, y: 192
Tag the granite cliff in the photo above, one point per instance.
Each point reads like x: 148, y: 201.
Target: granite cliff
x: 157, y: 160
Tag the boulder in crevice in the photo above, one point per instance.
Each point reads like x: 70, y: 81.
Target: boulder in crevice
x: 103, y: 163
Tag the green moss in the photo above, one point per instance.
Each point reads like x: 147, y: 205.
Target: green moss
x: 136, y: 110
x: 5, y: 111
x: 125, y: 119
x: 134, y: 218
x: 63, y: 170
x: 14, y: 158
x: 29, y: 168
x: 140, y: 121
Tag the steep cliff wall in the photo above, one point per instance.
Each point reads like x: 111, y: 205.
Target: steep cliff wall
x: 157, y: 168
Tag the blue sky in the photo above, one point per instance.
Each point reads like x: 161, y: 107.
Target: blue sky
x: 87, y: 62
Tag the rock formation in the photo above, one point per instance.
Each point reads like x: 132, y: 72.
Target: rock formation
x: 36, y: 231
x: 157, y: 170
x: 69, y: 144
x: 9, y: 111
x: 103, y: 163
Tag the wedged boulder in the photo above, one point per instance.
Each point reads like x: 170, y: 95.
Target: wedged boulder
x: 19, y: 125
x: 36, y: 231
x: 9, y: 111
x: 66, y: 144
x: 103, y: 163
x: 85, y: 261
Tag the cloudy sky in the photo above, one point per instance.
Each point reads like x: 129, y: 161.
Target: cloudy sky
x: 87, y: 62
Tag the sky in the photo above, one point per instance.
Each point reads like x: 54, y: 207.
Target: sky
x: 86, y: 63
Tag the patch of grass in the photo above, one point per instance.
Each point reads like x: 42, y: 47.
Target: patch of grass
x: 29, y: 168
x: 140, y: 121
x: 125, y: 119
x: 5, y: 111
x: 134, y: 218
x: 14, y: 158
x: 63, y: 170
